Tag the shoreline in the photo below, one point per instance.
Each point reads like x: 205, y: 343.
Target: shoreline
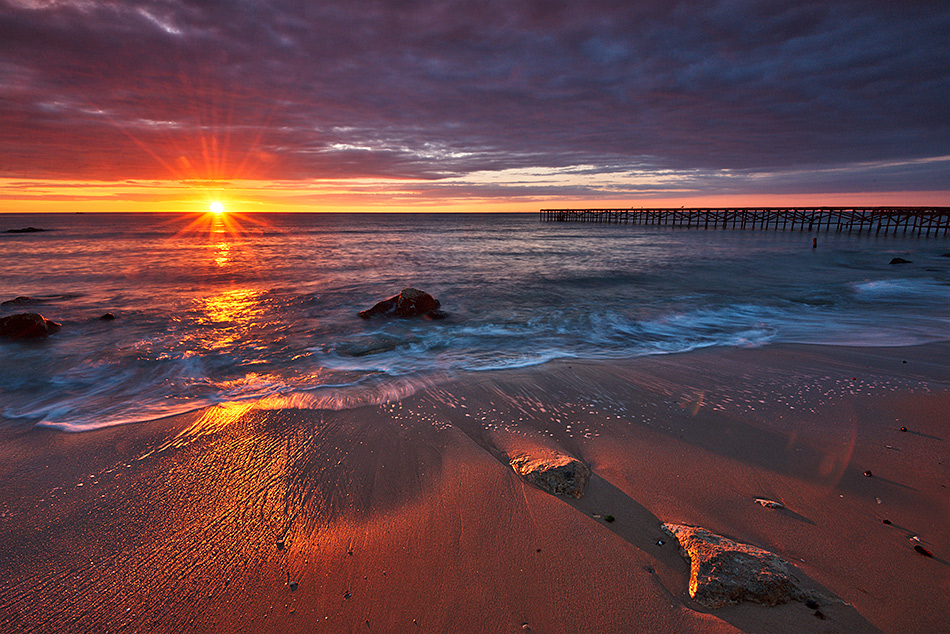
x: 198, y: 522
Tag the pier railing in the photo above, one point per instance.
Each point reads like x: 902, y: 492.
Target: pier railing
x: 878, y: 220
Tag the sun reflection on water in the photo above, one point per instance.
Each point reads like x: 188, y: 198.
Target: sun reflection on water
x: 233, y: 315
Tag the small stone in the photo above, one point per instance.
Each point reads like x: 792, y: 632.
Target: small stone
x: 868, y: 474
x: 900, y: 261
x: 903, y: 429
x: 811, y: 604
x: 888, y: 522
x: 525, y: 627
x: 772, y: 504
x: 280, y: 544
x: 293, y: 586
x: 923, y: 551
x: 820, y: 614
x: 660, y: 542
x: 609, y: 518
x: 347, y: 595
x: 107, y: 317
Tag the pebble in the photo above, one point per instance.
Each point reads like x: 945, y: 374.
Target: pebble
x: 923, y: 551
x: 903, y: 429
x: 888, y: 522
x: 293, y: 586
x: 811, y: 604
x: 347, y: 595
x: 868, y: 474
x: 280, y: 544
x: 660, y: 542
x: 820, y: 614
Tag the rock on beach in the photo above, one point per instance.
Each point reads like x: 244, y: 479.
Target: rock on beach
x: 724, y: 572
x: 27, y: 326
x: 555, y: 473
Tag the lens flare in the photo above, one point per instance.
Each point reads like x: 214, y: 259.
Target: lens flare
x: 216, y: 207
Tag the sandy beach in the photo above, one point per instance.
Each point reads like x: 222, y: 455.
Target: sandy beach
x: 406, y: 517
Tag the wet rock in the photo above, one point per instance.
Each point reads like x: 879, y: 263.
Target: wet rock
x: 410, y: 302
x: 555, y: 473
x: 888, y: 522
x: 22, y: 300
x: 900, y: 261
x: 724, y: 572
x: 107, y: 317
x: 27, y: 326
x: 903, y: 429
x: 26, y: 230
x: 772, y: 504
x: 868, y: 474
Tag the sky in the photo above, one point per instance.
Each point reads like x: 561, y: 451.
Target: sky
x: 481, y: 105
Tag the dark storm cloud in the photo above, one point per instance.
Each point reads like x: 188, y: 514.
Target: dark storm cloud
x: 724, y: 94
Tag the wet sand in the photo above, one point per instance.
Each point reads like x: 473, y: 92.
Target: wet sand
x: 406, y: 517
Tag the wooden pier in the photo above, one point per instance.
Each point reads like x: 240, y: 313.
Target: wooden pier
x: 919, y: 221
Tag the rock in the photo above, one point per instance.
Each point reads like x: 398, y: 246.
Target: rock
x: 772, y: 504
x: 107, y: 317
x: 724, y: 572
x: 26, y: 230
x: 923, y: 551
x: 19, y: 301
x: 868, y: 474
x: 410, y: 302
x: 900, y: 261
x: 555, y: 473
x: 27, y: 326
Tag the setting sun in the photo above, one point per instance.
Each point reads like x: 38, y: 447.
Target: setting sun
x: 216, y: 208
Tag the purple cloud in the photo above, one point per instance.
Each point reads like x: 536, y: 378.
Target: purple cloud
x: 723, y: 96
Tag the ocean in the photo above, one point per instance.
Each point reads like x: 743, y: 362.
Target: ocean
x: 212, y: 309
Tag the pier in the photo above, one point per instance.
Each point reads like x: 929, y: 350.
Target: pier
x: 919, y: 221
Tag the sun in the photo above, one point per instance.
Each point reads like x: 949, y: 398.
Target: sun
x: 216, y: 208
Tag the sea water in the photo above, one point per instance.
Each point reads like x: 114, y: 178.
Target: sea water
x: 213, y: 309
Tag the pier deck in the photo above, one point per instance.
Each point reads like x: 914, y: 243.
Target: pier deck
x: 920, y: 221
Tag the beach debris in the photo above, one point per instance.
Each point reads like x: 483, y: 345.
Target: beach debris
x: 900, y: 261
x: 868, y: 474
x: 724, y: 572
x: 772, y: 504
x: 555, y: 473
x: 526, y: 627
x: 410, y: 302
x: 27, y: 326
x: 923, y: 551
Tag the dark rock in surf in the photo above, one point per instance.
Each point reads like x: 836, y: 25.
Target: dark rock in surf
x: 27, y: 326
x: 107, y: 317
x: 26, y: 230
x: 22, y: 300
x: 900, y: 261
x: 410, y: 302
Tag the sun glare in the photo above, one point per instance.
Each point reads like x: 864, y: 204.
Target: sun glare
x: 216, y: 208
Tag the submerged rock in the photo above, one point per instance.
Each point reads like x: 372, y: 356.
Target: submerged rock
x: 26, y: 230
x: 900, y: 261
x: 724, y: 572
x: 27, y: 326
x: 20, y: 301
x: 555, y: 473
x: 410, y: 302
x: 107, y: 317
